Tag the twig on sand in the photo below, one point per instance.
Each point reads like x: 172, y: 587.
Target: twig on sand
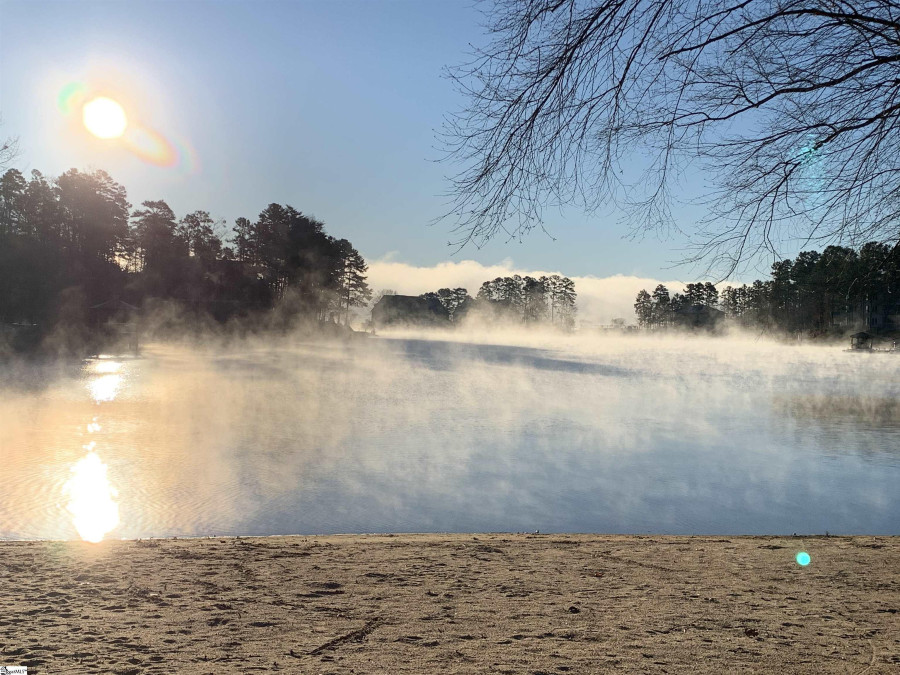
x: 352, y: 636
x: 872, y: 663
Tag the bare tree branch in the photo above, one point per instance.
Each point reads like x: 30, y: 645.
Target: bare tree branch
x: 792, y: 106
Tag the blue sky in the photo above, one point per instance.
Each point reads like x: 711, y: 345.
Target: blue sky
x: 328, y: 105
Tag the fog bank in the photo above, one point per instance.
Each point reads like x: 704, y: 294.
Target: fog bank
x: 600, y: 299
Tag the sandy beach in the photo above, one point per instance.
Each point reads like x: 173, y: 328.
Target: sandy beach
x: 496, y: 603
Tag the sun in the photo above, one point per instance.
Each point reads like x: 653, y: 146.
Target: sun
x: 104, y: 118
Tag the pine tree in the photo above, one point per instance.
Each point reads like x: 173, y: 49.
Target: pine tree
x: 353, y: 291
x: 643, y: 309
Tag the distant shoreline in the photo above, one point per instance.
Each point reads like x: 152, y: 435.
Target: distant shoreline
x: 507, y: 603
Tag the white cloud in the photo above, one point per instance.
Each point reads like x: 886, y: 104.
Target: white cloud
x: 600, y: 299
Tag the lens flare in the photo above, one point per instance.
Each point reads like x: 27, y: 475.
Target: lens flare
x: 187, y: 157
x: 151, y: 147
x: 91, y: 498
x: 104, y: 118
x: 70, y: 97
x: 803, y: 558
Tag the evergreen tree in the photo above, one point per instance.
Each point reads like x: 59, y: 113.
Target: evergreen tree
x: 662, y: 309
x: 534, y: 300
x: 353, y: 290
x: 244, y: 241
x: 159, y: 244
x: 643, y: 309
x: 197, y: 230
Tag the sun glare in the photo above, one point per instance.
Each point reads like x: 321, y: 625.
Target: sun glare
x: 104, y: 118
x: 105, y: 387
x: 91, y: 498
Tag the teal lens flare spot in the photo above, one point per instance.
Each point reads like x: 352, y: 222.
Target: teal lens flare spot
x: 803, y: 558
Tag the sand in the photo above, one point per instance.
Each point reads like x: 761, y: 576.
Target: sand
x: 452, y: 604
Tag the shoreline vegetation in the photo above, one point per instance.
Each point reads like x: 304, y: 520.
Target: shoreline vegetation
x: 819, y: 295
x: 79, y: 268
x: 454, y: 603
x: 81, y: 271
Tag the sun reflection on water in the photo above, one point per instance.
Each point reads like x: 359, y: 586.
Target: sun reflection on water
x: 104, y: 367
x: 105, y: 387
x: 91, y: 497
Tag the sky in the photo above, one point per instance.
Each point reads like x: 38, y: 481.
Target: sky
x: 331, y: 106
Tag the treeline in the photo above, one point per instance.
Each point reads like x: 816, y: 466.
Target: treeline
x: 838, y: 289
x: 73, y: 243
x: 660, y: 310
x: 548, y: 300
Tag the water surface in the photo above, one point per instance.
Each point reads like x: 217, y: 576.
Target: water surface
x: 438, y: 435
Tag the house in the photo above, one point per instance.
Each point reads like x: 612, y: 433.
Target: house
x: 116, y: 322
x: 861, y: 341
x: 409, y: 310
x: 113, y: 311
x: 698, y: 317
x: 20, y: 336
x: 884, y: 315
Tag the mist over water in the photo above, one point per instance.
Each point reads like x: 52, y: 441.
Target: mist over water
x: 459, y: 432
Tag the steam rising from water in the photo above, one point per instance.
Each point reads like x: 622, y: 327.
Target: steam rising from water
x: 460, y: 432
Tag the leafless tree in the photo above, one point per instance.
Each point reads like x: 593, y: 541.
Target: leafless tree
x: 791, y: 107
x: 9, y: 149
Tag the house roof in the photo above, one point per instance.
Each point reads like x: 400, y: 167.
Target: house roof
x: 115, y: 304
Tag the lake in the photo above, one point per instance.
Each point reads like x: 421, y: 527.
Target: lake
x: 476, y: 433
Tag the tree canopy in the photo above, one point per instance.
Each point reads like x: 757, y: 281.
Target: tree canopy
x: 791, y: 105
x: 72, y: 244
x: 547, y: 300
x: 831, y: 291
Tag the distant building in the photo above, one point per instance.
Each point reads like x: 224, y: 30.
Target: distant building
x: 877, y: 317
x: 116, y: 321
x: 22, y: 335
x: 861, y: 341
x: 113, y: 311
x: 699, y: 317
x: 884, y: 316
x: 409, y: 310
